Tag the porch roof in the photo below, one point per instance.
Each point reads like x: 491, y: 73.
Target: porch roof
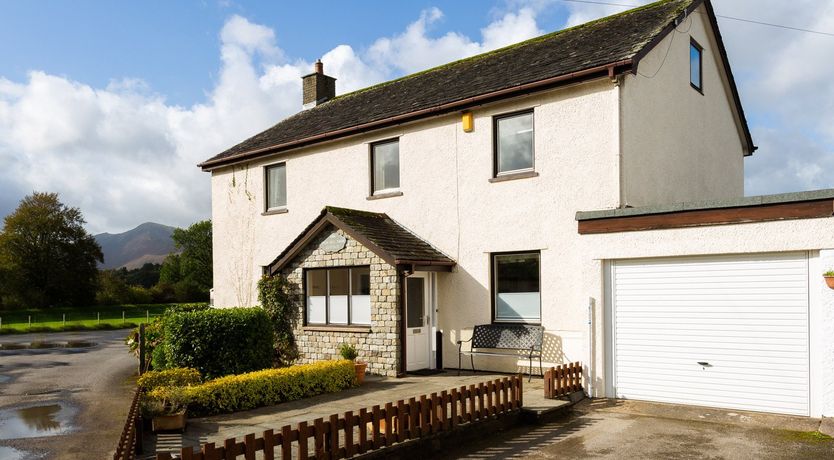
x: 392, y: 242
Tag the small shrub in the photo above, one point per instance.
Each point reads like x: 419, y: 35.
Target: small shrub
x: 265, y: 388
x: 348, y: 352
x: 175, y: 377
x: 216, y: 342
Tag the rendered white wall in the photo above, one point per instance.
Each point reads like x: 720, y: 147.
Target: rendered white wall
x: 678, y: 144
x: 822, y: 339
x: 447, y: 200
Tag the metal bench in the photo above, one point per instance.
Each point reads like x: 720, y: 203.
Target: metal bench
x: 487, y: 338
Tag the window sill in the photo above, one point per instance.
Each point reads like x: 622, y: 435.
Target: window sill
x: 324, y: 328
x: 275, y: 211
x: 384, y: 195
x: 514, y: 176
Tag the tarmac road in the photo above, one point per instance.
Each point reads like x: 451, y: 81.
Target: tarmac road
x: 64, y: 403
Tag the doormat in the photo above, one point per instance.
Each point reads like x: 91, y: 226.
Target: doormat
x: 425, y: 372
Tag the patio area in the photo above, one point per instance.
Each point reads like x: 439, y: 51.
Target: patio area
x: 375, y: 391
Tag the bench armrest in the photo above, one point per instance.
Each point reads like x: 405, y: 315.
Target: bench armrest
x: 464, y: 341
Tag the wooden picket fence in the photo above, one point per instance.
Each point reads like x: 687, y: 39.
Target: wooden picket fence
x: 126, y: 449
x: 350, y: 434
x: 562, y: 380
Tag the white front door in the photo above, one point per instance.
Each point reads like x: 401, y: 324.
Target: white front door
x: 417, y: 322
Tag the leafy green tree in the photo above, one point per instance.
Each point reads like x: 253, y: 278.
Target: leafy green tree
x: 170, y: 271
x: 195, y: 258
x: 50, y: 258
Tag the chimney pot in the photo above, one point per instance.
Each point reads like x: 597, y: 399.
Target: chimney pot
x: 317, y: 88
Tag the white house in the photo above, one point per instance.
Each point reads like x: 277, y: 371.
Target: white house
x: 589, y: 181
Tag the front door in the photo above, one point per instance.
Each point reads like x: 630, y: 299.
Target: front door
x: 418, y: 322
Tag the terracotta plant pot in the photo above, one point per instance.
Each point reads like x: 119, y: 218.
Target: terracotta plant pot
x: 829, y: 280
x: 360, y: 372
x: 172, y: 422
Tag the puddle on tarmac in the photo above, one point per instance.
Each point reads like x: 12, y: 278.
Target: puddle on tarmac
x: 4, y: 379
x: 36, y: 421
x: 7, y: 453
x: 79, y: 344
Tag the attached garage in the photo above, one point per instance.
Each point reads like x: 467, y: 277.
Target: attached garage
x: 729, y: 331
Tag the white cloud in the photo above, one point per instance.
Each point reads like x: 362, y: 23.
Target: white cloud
x: 124, y: 155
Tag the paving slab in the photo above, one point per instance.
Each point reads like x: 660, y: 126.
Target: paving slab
x: 375, y: 391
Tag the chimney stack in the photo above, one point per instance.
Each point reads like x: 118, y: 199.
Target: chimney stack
x: 318, y: 88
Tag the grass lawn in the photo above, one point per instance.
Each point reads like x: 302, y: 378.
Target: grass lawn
x: 78, y: 318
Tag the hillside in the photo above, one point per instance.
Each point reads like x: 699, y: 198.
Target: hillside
x: 147, y: 243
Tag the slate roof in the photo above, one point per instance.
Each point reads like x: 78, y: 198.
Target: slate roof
x: 620, y: 40
x: 376, y: 231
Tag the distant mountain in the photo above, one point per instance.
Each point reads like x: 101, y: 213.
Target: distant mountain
x: 147, y: 243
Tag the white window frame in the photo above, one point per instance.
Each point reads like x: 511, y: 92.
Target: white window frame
x: 350, y: 296
x: 496, y: 119
x: 373, y: 167
x: 267, y: 168
x: 494, y: 287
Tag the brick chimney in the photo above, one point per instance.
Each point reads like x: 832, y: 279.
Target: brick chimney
x: 318, y: 88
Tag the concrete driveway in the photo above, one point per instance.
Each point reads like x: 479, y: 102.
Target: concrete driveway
x: 608, y: 429
x: 64, y: 403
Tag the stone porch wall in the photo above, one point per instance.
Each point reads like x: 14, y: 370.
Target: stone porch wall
x: 379, y: 344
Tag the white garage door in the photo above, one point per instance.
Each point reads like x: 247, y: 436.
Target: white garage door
x: 722, y: 331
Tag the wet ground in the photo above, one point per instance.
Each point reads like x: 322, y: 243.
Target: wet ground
x: 605, y: 429
x: 65, y: 395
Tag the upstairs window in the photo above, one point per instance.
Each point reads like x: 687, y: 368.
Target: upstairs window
x: 516, y: 287
x: 696, y: 73
x: 276, y: 187
x: 513, y: 138
x: 385, y: 166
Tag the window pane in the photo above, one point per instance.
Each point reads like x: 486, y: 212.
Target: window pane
x: 517, y: 293
x: 339, y: 289
x: 276, y: 192
x: 316, y: 296
x: 515, y: 143
x: 415, y: 302
x: 386, y: 158
x: 695, y: 65
x: 360, y: 299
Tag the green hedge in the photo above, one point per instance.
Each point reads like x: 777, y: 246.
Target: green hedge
x: 176, y: 377
x: 216, y: 342
x: 264, y: 388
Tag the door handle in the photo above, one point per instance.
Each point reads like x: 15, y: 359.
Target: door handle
x: 704, y: 364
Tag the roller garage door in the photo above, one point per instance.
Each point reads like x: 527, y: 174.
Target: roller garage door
x: 721, y: 331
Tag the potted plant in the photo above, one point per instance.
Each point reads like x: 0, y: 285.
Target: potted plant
x: 167, y: 413
x: 348, y: 351
x: 829, y: 278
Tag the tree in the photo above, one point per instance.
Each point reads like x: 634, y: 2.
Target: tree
x: 50, y: 258
x: 188, y: 274
x: 195, y: 259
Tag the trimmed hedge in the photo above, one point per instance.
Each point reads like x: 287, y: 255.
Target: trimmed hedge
x: 216, y: 342
x: 265, y: 388
x: 176, y: 377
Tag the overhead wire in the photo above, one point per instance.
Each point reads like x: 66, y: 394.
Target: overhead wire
x: 732, y: 18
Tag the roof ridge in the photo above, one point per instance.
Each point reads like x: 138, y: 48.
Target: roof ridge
x: 509, y: 47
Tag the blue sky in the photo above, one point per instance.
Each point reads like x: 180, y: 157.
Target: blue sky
x: 172, y: 46
x: 112, y: 104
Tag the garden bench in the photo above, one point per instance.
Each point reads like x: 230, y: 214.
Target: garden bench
x: 487, y: 339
